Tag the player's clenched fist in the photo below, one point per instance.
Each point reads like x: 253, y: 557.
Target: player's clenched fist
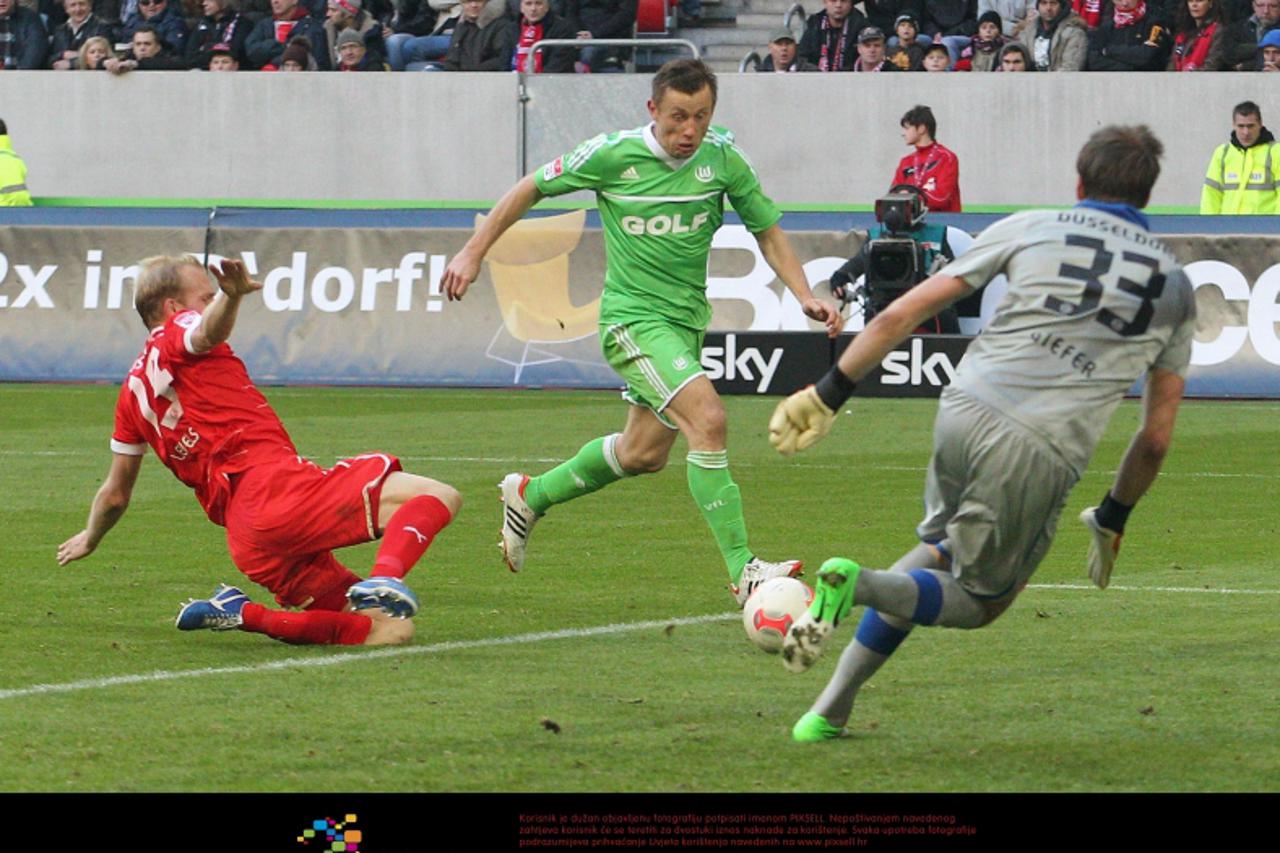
x: 799, y: 421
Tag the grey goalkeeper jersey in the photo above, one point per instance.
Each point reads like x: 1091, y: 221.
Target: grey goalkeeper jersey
x: 1094, y: 302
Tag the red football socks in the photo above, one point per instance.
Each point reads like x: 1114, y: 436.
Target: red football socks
x: 309, y: 627
x: 408, y: 535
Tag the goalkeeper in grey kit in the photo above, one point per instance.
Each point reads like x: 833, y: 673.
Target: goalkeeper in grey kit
x: 1094, y: 303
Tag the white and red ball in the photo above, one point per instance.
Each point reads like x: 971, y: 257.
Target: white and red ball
x: 772, y: 608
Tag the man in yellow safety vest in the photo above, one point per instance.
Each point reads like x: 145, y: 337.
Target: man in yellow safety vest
x: 13, y: 174
x: 1244, y: 173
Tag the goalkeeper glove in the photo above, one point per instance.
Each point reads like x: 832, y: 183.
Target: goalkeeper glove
x: 799, y: 421
x: 1104, y: 547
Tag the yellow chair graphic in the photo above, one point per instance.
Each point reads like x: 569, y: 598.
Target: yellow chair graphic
x: 529, y: 265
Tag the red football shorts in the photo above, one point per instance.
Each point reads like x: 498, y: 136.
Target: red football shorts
x: 284, y: 518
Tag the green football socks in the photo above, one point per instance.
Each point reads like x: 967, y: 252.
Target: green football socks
x: 594, y: 467
x: 717, y: 496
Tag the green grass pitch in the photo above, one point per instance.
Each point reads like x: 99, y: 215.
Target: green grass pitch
x: 615, y: 661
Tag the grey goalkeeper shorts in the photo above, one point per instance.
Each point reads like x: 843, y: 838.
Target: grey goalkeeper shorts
x: 992, y: 495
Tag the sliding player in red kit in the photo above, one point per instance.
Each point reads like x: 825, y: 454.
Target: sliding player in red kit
x: 191, y: 399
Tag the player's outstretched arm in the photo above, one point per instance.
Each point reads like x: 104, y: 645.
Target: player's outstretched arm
x: 220, y: 317
x: 802, y: 419
x: 465, y: 266
x: 777, y: 251
x: 108, y: 506
x: 1138, y: 470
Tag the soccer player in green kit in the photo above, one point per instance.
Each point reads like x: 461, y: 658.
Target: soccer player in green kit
x: 660, y: 190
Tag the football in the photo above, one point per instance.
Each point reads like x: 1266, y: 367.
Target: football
x: 769, y: 612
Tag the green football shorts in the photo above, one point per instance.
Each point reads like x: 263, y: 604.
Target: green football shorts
x: 655, y: 358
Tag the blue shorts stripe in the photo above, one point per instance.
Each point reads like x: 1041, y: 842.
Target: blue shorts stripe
x: 878, y: 635
x: 928, y: 597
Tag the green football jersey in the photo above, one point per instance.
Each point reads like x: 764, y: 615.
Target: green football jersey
x: 659, y: 215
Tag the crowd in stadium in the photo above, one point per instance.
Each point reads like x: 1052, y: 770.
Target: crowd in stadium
x: 496, y: 35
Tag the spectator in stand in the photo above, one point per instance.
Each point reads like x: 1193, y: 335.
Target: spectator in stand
x: 353, y: 55
x: 25, y: 41
x: 1247, y: 34
x: 298, y: 55
x: 1135, y: 38
x: 147, y: 53
x: 162, y: 16
x: 784, y: 56
x: 538, y: 22
x: 1269, y: 47
x: 268, y: 38
x: 481, y: 42
x: 417, y: 35
x: 602, y: 19
x: 221, y: 24
x: 1092, y: 12
x: 222, y: 57
x: 885, y: 14
x: 1015, y: 15
x: 1014, y: 56
x: 1244, y: 172
x: 905, y: 47
x: 349, y: 14
x: 982, y: 53
x: 1059, y: 40
x: 93, y: 53
x: 830, y: 36
x: 54, y: 14
x: 413, y: 20
x: 932, y: 167
x: 1199, y: 37
x: 69, y: 36
x: 953, y: 22
x: 871, y: 52
x: 936, y: 58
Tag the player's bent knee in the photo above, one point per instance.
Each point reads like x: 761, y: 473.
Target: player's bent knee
x: 650, y: 463
x: 389, y: 631
x: 643, y: 460
x: 449, y: 496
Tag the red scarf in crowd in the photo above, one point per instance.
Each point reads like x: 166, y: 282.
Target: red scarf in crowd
x: 1090, y: 10
x: 825, y: 62
x: 529, y: 35
x: 1128, y: 19
x: 1191, y: 49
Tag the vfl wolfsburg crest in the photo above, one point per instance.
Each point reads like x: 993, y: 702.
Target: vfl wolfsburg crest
x: 680, y: 363
x: 704, y: 173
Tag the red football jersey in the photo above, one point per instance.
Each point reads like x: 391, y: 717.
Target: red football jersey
x: 936, y: 171
x: 200, y: 413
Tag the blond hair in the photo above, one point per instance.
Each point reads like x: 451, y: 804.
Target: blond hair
x: 159, y: 278
x: 83, y: 63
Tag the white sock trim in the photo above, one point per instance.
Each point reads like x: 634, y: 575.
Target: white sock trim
x: 611, y: 454
x: 708, y: 458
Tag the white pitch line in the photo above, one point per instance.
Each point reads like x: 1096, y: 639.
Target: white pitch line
x: 1202, y: 589
x: 350, y: 657
x: 518, y: 639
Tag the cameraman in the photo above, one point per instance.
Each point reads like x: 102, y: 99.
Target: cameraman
x: 901, y: 251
